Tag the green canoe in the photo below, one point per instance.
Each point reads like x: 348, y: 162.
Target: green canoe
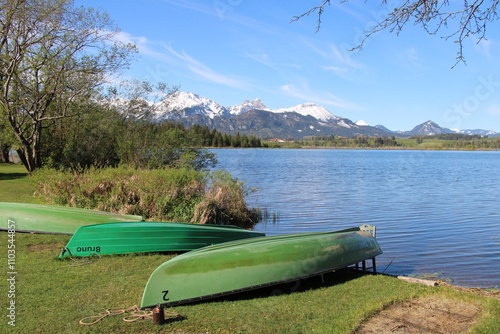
x: 138, y: 237
x: 254, y: 263
x: 39, y: 218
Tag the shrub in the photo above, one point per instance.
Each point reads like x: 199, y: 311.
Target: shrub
x: 181, y: 195
x: 224, y: 203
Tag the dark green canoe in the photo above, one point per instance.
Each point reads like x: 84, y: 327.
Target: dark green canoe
x: 138, y: 237
x: 27, y: 217
x: 249, y: 264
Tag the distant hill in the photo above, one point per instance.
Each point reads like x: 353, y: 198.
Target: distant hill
x: 428, y: 128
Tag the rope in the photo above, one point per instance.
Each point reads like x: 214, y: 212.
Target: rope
x: 388, y: 265
x: 135, y: 314
x: 132, y: 314
x: 81, y: 261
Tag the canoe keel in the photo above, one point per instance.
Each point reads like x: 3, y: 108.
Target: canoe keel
x: 246, y: 265
x: 144, y: 237
x: 53, y: 219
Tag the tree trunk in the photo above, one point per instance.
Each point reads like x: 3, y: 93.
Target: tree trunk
x: 5, y: 153
x: 29, y: 153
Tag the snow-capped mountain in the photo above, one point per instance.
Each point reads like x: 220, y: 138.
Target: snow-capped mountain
x: 183, y: 104
x: 309, y: 109
x: 428, y: 128
x: 247, y: 105
x: 476, y: 132
x: 255, y: 118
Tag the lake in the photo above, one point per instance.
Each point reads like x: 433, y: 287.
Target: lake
x: 436, y: 212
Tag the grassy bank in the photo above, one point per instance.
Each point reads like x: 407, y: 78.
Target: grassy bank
x: 15, y: 185
x: 52, y: 295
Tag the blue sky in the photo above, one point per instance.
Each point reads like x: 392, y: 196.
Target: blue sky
x: 235, y: 50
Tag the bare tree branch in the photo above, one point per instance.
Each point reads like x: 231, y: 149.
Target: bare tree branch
x: 319, y: 9
x: 470, y: 19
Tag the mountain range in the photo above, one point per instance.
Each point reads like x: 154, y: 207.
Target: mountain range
x: 252, y: 117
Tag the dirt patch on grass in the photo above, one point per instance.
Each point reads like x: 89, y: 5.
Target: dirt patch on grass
x: 54, y: 247
x: 430, y: 314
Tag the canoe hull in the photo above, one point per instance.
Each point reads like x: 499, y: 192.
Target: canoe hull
x: 40, y: 218
x: 138, y: 237
x: 245, y: 265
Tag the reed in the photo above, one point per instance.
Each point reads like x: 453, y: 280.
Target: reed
x: 168, y: 194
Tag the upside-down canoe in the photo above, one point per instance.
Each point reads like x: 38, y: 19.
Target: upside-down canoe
x: 254, y: 263
x: 27, y: 217
x: 140, y: 237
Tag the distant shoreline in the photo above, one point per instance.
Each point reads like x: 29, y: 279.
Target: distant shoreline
x: 310, y: 147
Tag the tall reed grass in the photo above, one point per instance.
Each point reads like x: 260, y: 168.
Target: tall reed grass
x: 180, y: 195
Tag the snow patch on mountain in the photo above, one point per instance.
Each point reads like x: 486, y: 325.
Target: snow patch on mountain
x: 428, y: 128
x: 480, y: 132
x: 309, y: 109
x: 344, y: 124
x: 247, y: 105
x: 185, y: 104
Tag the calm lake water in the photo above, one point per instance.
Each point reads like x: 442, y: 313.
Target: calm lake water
x: 436, y: 213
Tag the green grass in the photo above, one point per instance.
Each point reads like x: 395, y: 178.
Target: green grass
x: 52, y: 297
x: 15, y: 184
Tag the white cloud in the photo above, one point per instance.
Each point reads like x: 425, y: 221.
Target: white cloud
x: 487, y: 47
x: 204, y: 71
x: 338, y: 60
x: 324, y: 99
x: 413, y: 59
x: 172, y: 59
x: 335, y: 54
x: 339, y: 70
x: 144, y: 46
x: 266, y: 60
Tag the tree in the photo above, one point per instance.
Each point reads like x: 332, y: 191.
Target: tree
x: 88, y: 139
x: 465, y: 21
x: 6, y: 140
x: 53, y: 55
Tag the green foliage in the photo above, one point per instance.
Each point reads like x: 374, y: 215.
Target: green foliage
x: 88, y: 139
x: 53, y: 56
x: 435, y: 142
x: 359, y: 141
x: 224, y: 203
x: 213, y: 138
x: 101, y: 137
x: 162, y: 194
x: 144, y: 144
x: 168, y: 194
x: 7, y: 138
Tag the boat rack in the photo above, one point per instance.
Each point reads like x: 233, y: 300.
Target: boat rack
x: 373, y: 231
x: 364, y: 268
x: 369, y: 228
